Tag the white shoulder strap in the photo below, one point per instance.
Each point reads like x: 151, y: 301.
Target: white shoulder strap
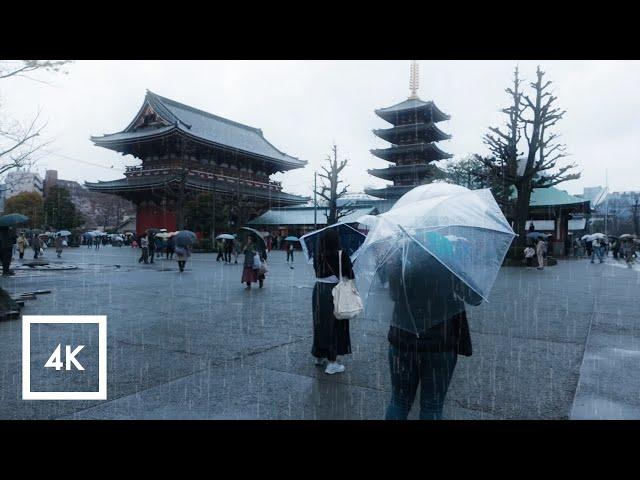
x: 340, y: 263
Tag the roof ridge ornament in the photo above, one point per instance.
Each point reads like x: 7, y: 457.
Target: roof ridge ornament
x: 414, y: 80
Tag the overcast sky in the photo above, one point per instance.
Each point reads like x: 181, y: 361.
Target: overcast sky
x: 304, y: 106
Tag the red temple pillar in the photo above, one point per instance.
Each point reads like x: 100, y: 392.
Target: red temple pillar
x: 152, y: 215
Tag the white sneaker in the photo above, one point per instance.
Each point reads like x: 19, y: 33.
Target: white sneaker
x: 334, y: 367
x: 320, y: 362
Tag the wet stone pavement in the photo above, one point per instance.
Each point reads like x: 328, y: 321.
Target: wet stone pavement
x: 555, y: 344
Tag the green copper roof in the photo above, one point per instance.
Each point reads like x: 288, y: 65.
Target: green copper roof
x: 548, y: 197
x: 304, y: 216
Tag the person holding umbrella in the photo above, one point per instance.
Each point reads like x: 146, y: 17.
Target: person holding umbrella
x: 144, y: 249
x: 7, y: 240
x: 428, y: 298
x: 59, y: 244
x: 433, y: 245
x: 330, y: 336
x: 23, y: 243
x: 249, y: 274
x: 289, y: 251
x: 184, y: 239
x: 541, y: 251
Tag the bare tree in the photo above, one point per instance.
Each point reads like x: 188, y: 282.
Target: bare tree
x: 23, y: 68
x: 330, y: 185
x: 18, y: 145
x: 531, y: 117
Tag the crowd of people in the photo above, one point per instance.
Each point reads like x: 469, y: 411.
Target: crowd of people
x: 621, y: 248
x: 12, y: 241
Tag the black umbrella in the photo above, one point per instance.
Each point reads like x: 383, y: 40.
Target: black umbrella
x: 12, y: 219
x: 257, y: 238
x: 350, y: 239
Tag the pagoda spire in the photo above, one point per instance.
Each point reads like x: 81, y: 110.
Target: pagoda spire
x: 414, y: 80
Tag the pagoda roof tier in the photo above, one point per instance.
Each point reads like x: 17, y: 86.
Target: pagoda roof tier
x: 420, y: 169
x: 390, y: 191
x: 426, y: 132
x: 160, y: 117
x: 412, y: 105
x: 134, y: 184
x: 425, y: 151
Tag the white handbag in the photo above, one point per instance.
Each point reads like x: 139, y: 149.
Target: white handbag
x: 347, y: 303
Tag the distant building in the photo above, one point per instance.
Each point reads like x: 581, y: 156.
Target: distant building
x: 50, y: 180
x: 611, y: 212
x: 99, y: 210
x: 302, y: 219
x: 19, y: 181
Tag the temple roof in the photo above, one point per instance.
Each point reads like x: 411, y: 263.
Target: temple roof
x: 427, y: 151
x: 305, y: 216
x: 551, y: 197
x: 390, y: 191
x: 201, y: 125
x: 391, y: 172
x: 429, y: 132
x: 415, y: 104
x: 148, y: 182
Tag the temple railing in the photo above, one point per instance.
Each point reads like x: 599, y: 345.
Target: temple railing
x: 241, y: 177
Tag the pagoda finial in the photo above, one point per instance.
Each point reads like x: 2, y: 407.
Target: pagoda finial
x: 414, y: 79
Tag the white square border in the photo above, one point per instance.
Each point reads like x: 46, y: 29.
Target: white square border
x: 28, y: 320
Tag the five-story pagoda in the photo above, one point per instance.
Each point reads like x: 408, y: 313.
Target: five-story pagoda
x: 413, y: 137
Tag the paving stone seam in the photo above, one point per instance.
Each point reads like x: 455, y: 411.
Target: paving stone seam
x: 584, y: 350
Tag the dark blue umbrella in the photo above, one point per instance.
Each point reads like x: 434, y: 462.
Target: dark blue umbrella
x: 350, y: 239
x: 185, y: 238
x: 12, y: 219
x: 535, y: 235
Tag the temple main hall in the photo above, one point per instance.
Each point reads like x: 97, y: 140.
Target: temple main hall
x: 185, y: 151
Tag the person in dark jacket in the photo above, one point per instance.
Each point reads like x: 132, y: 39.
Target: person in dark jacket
x: 428, y: 331
x: 171, y: 248
x: 330, y: 336
x: 7, y: 240
x: 35, y: 244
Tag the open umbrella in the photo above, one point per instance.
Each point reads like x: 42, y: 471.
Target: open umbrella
x: 350, y: 239
x: 225, y: 236
x: 64, y: 233
x: 185, y: 238
x: 257, y: 238
x: 291, y: 238
x: 536, y: 235
x: 594, y: 236
x: 443, y: 239
x: 627, y: 236
x: 162, y: 235
x: 13, y: 219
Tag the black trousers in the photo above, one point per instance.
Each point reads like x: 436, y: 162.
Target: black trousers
x: 6, y: 254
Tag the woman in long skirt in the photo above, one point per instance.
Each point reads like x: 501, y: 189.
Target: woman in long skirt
x: 249, y: 275
x: 330, y: 335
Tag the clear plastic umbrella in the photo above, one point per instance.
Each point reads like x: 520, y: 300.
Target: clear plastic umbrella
x: 445, y: 240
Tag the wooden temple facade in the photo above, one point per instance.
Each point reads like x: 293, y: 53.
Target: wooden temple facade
x: 185, y: 151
